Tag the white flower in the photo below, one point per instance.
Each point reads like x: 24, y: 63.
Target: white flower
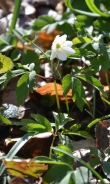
x: 61, y: 47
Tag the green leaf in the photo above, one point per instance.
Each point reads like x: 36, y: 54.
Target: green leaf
x: 50, y: 27
x: 82, y: 162
x: 42, y: 21
x: 8, y: 39
x: 59, y: 174
x: 32, y: 127
x: 102, y: 61
x: 102, y: 25
x: 43, y: 121
x: 78, y: 133
x: 24, y: 122
x: 78, y: 40
x: 82, y: 175
x: 29, y: 57
x: 95, y: 162
x: 94, y: 9
x: 17, y: 146
x: 93, y: 81
x: 68, y: 4
x: 4, y: 79
x: 75, y: 127
x: 95, y: 151
x: 32, y: 80
x: 15, y: 55
x: 5, y: 63
x: 5, y: 120
x: 22, y: 88
x: 62, y: 157
x: 66, y: 84
x: 78, y: 93
x: 106, y: 169
x: 61, y: 119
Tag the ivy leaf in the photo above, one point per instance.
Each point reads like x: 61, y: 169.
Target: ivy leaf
x: 32, y: 79
x: 5, y: 63
x: 22, y: 88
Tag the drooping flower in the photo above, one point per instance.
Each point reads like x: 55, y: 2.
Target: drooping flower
x: 61, y: 47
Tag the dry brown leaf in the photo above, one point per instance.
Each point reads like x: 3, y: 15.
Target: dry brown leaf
x: 34, y: 146
x: 46, y: 39
x: 24, y: 167
x: 49, y: 89
x: 18, y: 180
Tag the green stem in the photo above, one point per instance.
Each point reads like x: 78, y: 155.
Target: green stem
x: 15, y: 15
x: 55, y: 86
x: 57, y: 97
x: 50, y: 154
x: 38, y: 48
x: 94, y: 101
x: 107, y: 80
x: 67, y: 105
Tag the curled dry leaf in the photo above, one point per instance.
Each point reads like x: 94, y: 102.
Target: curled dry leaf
x: 24, y: 168
x: 49, y: 89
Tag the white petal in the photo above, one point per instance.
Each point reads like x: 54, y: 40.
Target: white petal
x: 53, y: 55
x: 56, y: 38
x: 69, y: 50
x: 62, y: 56
x: 68, y: 43
x: 63, y: 38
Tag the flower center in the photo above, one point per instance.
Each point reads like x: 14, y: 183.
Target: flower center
x: 58, y: 46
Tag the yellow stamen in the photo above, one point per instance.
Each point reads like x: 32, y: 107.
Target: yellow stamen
x: 58, y: 46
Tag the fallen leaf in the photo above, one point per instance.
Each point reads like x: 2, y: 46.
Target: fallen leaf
x: 49, y: 89
x: 24, y: 168
x: 46, y: 39
x: 18, y: 180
